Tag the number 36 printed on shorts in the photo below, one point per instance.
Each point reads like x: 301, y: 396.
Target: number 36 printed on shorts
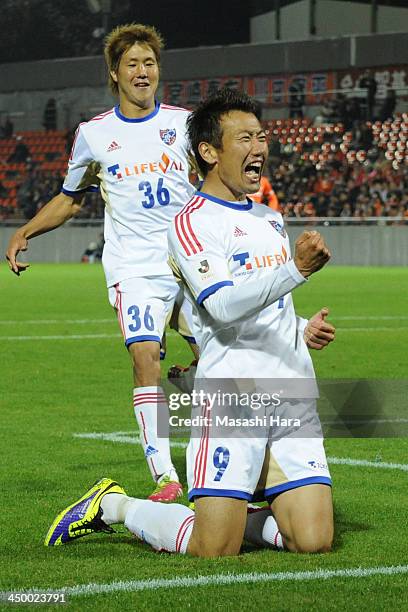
x: 140, y: 319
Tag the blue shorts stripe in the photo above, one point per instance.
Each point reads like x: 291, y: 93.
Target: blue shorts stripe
x: 295, y: 484
x: 142, y: 339
x: 75, y: 193
x: 189, y: 339
x: 218, y: 493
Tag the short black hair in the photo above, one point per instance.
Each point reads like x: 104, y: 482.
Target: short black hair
x: 203, y: 125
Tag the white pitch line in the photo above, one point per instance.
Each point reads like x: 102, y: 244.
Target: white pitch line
x: 372, y: 318
x: 113, y: 320
x: 123, y: 437
x: 170, y: 333
x: 66, y: 337
x: 222, y: 580
x: 371, y: 329
x: 58, y: 321
x: 370, y: 464
x: 126, y: 437
x: 364, y: 422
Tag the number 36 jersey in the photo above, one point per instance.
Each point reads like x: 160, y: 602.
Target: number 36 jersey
x: 141, y: 168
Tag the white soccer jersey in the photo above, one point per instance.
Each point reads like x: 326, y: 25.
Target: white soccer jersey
x: 214, y: 243
x: 141, y: 168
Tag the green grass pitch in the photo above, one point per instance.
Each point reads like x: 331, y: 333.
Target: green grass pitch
x: 53, y: 388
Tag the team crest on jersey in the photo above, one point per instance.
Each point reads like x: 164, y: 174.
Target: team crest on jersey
x: 279, y: 228
x: 204, y: 266
x: 168, y: 136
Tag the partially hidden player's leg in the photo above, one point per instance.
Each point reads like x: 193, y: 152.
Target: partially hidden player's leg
x: 182, y: 321
x: 262, y: 530
x: 219, y: 529
x: 195, y: 350
x: 305, y: 518
x: 183, y: 377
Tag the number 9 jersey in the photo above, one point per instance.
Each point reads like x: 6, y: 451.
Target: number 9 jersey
x: 141, y: 168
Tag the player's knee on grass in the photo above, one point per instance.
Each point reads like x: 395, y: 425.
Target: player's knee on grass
x: 208, y: 549
x: 146, y: 363
x: 310, y: 538
x: 218, y: 527
x: 305, y: 518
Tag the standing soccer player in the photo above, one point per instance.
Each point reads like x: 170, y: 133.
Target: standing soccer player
x: 234, y: 258
x: 137, y: 154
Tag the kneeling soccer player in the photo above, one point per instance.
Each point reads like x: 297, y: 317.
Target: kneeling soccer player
x: 235, y: 261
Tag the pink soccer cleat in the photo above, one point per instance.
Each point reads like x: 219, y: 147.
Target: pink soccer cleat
x: 183, y: 378
x: 166, y: 491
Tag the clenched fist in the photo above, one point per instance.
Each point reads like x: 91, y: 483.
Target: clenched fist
x: 311, y: 253
x: 319, y: 332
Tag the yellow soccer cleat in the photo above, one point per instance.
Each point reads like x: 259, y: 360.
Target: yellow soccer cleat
x: 84, y: 516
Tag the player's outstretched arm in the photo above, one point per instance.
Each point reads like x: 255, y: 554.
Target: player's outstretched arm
x: 319, y: 332
x: 311, y: 253
x: 58, y: 210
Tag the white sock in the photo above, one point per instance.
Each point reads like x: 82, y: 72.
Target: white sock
x: 147, y: 401
x: 271, y: 533
x: 114, y: 507
x: 262, y: 530
x: 163, y: 526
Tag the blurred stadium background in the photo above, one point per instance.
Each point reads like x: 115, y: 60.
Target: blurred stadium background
x: 332, y: 76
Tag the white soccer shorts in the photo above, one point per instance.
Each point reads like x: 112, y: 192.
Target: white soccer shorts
x: 144, y: 306
x: 261, y: 466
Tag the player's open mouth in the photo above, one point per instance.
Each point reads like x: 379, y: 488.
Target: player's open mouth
x: 253, y: 170
x: 142, y: 85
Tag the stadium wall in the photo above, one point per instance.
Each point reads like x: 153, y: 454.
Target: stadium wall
x: 79, y: 84
x: 351, y: 246
x: 209, y: 62
x: 363, y: 245
x: 332, y: 18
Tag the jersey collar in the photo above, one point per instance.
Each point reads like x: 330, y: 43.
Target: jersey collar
x: 246, y: 206
x: 128, y: 120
